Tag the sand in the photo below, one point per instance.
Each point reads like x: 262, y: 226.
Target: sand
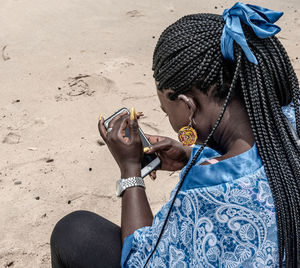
x: 62, y: 63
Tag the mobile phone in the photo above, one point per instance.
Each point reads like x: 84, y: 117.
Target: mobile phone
x: 150, y: 161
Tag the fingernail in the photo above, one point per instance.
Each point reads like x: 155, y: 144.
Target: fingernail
x: 146, y: 149
x: 100, y: 117
x: 132, y: 114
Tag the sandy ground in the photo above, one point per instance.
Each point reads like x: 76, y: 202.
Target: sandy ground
x: 62, y: 63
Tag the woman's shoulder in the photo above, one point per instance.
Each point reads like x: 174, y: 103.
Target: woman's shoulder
x: 231, y: 170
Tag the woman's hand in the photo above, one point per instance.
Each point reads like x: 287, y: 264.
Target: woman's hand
x: 173, y: 154
x: 127, y: 152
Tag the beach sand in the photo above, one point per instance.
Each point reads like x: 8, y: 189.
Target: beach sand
x: 62, y: 64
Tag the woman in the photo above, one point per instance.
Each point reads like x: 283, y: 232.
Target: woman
x: 228, y: 84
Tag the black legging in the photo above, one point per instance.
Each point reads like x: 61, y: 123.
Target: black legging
x: 84, y: 239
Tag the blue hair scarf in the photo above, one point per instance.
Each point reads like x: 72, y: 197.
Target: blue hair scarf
x: 258, y: 18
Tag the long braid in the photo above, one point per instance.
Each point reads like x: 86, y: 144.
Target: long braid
x: 193, y: 161
x: 188, y: 55
x: 276, y: 135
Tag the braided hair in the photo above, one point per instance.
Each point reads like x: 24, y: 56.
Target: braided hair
x: 188, y: 55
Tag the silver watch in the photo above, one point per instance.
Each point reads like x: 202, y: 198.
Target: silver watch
x: 123, y: 184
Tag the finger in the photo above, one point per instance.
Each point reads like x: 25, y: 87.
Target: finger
x: 139, y: 115
x: 159, y: 146
x: 154, y: 139
x: 123, y: 133
x: 117, y: 132
x: 153, y: 175
x: 116, y: 118
x: 124, y: 127
x: 102, y: 129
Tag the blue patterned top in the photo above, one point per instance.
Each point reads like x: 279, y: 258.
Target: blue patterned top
x: 223, y: 216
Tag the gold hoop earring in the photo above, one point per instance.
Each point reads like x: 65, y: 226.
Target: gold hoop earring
x: 187, y: 135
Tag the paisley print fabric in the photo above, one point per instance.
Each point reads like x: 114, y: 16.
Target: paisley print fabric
x: 228, y: 225
x: 223, y: 216
x: 289, y: 112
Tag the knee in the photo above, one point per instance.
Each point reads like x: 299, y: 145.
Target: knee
x: 71, y: 226
x: 85, y: 239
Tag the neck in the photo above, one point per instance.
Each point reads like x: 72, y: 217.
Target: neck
x: 234, y: 134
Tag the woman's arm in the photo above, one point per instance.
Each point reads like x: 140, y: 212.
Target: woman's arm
x: 136, y: 211
x: 128, y: 153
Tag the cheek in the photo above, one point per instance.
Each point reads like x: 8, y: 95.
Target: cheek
x: 174, y: 123
x: 177, y: 121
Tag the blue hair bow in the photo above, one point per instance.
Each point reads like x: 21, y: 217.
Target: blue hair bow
x: 258, y: 18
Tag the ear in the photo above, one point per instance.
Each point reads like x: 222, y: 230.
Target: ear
x: 190, y: 103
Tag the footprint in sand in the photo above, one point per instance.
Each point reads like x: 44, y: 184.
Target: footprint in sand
x: 12, y: 138
x: 86, y: 85
x: 134, y: 13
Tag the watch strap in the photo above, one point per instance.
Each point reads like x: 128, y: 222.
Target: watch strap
x: 123, y: 184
